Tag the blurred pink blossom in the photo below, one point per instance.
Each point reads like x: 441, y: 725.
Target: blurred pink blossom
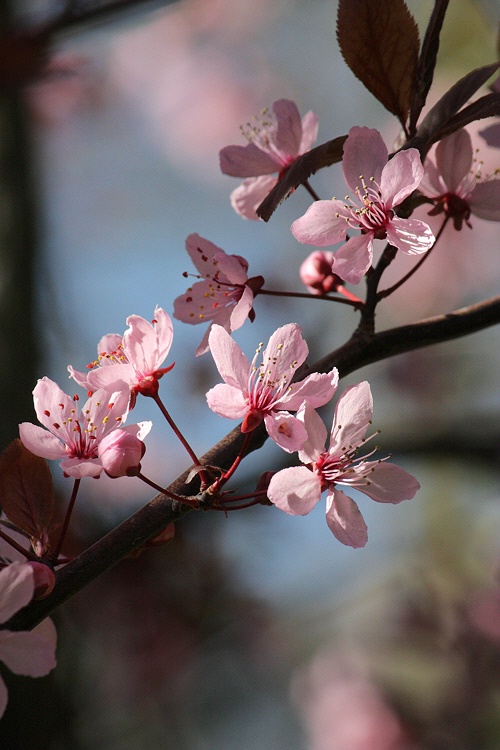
x: 193, y: 73
x: 344, y: 710
x: 66, y: 84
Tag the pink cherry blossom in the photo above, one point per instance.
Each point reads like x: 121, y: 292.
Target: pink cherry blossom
x: 136, y: 359
x: 71, y: 434
x: 456, y: 184
x: 255, y: 392
x: 297, y: 490
x: 121, y: 451
x: 225, y: 296
x: 379, y: 186
x: 26, y: 653
x: 275, y: 140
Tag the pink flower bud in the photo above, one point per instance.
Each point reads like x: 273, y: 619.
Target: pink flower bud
x: 316, y: 273
x: 43, y: 578
x: 121, y: 453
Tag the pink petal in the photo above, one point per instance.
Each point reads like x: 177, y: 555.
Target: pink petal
x: 108, y: 343
x: 106, y: 377
x: 353, y: 259
x: 227, y: 401
x: 234, y: 267
x: 365, y: 155
x: 202, y: 347
x: 316, y: 434
x: 387, y: 483
x: 79, y: 377
x: 246, y: 161
x: 353, y: 414
x: 288, y: 348
x: 401, y: 176
x: 240, y: 311
x: 411, y: 236
x: 164, y: 333
x: 432, y: 183
x: 454, y: 158
x: 48, y: 397
x: 30, y: 653
x: 232, y: 364
x: 317, y: 389
x: 286, y: 430
x: 289, y: 130
x: 295, y: 491
x: 484, y: 200
x: 309, y: 131
x: 16, y: 589
x: 188, y: 306
x: 107, y: 408
x: 202, y: 252
x: 145, y: 346
x: 41, y: 442
x: 345, y: 520
x: 249, y: 195
x: 79, y: 468
x: 322, y: 224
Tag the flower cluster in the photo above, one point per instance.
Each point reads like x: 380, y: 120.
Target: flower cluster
x: 262, y: 390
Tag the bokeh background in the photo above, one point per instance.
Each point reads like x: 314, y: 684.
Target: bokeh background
x: 259, y: 630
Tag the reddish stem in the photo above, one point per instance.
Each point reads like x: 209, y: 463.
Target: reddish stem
x: 386, y: 292
x: 179, y: 498
x: 310, y: 190
x: 194, y: 458
x: 353, y: 301
x: 67, y: 518
x: 26, y: 553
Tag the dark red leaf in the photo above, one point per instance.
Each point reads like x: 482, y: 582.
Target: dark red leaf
x: 26, y: 490
x: 427, y: 61
x: 379, y: 42
x: 486, y: 106
x: 302, y: 168
x: 441, y: 113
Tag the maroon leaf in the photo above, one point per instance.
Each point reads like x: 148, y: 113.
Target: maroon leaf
x: 26, y: 490
x: 302, y: 168
x: 427, y: 61
x: 454, y: 99
x: 486, y: 106
x: 379, y: 42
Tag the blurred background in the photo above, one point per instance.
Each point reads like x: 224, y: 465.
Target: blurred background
x: 257, y: 630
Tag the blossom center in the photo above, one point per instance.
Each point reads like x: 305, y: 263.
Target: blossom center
x: 262, y: 132
x: 267, y: 382
x: 368, y: 212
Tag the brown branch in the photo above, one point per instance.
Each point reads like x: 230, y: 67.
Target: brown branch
x: 160, y: 511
